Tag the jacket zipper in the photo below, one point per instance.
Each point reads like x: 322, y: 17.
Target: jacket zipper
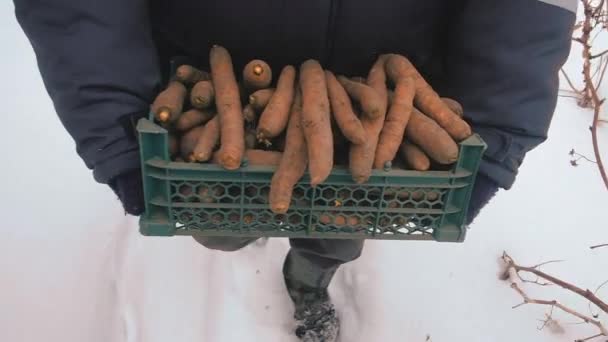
x: 331, y: 33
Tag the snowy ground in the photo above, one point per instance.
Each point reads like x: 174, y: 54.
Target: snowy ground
x: 73, y: 268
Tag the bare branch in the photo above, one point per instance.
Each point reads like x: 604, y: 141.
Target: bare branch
x: 589, y: 338
x: 599, y: 246
x: 599, y: 54
x: 570, y: 81
x: 547, y: 262
x: 513, y: 270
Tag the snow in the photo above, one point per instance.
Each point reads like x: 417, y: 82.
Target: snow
x: 74, y: 268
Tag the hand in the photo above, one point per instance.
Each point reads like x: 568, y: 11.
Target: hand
x: 129, y: 189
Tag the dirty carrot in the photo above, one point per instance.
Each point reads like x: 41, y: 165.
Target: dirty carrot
x: 369, y: 100
x: 260, y: 98
x: 188, y: 74
x: 168, y: 104
x: 257, y: 75
x: 426, y: 99
x: 188, y: 142
x: 454, y: 105
x: 201, y: 95
x: 228, y: 103
x: 396, y: 120
x: 431, y: 138
x: 342, y: 110
x: 415, y: 157
x: 316, y: 121
x: 273, y: 119
x: 293, y: 163
x: 258, y: 157
x: 207, y: 141
x: 249, y: 113
x: 192, y: 118
x: 361, y: 157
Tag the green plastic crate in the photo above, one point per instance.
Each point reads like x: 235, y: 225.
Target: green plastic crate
x: 204, y: 199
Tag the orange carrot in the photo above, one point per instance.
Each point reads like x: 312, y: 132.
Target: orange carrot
x: 192, y: 118
x: 173, y: 145
x: 259, y: 157
x: 343, y: 111
x: 316, y: 121
x: 396, y: 120
x: 454, y: 105
x: 188, y: 142
x: 228, y: 103
x: 168, y: 104
x: 249, y: 113
x: 431, y: 138
x: 260, y: 98
x: 250, y: 139
x: 293, y: 163
x: 188, y: 74
x: 361, y: 157
x: 426, y: 98
x: 257, y: 75
x: 366, y: 96
x: 201, y: 95
x: 207, y: 141
x: 415, y: 157
x: 273, y: 119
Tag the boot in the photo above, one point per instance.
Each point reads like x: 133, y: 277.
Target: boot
x: 316, y: 318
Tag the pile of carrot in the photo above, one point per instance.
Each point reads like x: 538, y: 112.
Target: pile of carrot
x: 308, y: 119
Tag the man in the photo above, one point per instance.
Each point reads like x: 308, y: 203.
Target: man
x: 103, y: 62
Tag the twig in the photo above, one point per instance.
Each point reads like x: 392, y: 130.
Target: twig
x: 554, y: 303
x: 570, y: 81
x: 513, y: 270
x: 590, y: 338
x: 599, y: 246
x: 603, y: 67
x: 589, y: 92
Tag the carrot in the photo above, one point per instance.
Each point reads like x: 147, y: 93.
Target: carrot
x: 426, y: 98
x: 250, y: 139
x: 192, y: 118
x: 249, y: 113
x: 361, y: 157
x: 273, y: 119
x: 345, y: 219
x: 257, y: 75
x: 293, y: 163
x: 358, y: 79
x: 316, y: 121
x: 265, y: 158
x: 201, y: 95
x: 208, y: 195
x: 343, y: 111
x: 173, y: 145
x: 414, y: 156
x: 366, y: 96
x: 168, y: 104
x: 431, y: 138
x: 228, y: 103
x: 258, y: 158
x: 188, y: 142
x: 396, y: 120
x: 260, y: 98
x: 207, y: 141
x: 454, y: 105
x: 187, y: 74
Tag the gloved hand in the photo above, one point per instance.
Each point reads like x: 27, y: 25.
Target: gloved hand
x: 129, y: 189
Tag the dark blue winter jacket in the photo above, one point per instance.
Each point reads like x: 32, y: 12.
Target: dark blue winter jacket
x: 102, y: 61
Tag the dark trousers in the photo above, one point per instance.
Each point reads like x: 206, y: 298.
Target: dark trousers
x: 311, y: 263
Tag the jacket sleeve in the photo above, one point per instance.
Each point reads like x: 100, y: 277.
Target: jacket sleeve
x: 99, y: 65
x: 503, y: 65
